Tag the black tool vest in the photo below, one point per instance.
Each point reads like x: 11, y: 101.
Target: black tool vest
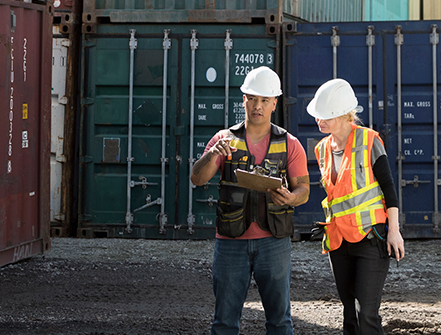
x: 237, y: 206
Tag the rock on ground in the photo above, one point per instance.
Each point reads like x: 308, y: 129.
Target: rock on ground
x: 116, y: 286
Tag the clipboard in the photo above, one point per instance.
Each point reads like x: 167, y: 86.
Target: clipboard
x: 257, y: 182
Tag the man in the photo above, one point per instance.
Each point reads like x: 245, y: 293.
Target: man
x: 254, y: 228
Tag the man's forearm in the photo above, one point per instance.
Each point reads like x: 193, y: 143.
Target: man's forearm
x: 204, y: 169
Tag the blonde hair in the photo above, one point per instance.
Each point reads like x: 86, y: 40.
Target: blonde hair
x: 352, y: 117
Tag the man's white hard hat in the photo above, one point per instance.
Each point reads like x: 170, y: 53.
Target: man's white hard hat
x: 262, y: 82
x: 333, y: 99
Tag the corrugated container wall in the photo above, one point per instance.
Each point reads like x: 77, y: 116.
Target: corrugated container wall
x: 330, y: 11
x: 424, y: 10
x: 25, y: 74
x: 181, y: 83
x: 65, y: 82
x: 181, y: 11
x: 398, y: 86
x: 390, y: 10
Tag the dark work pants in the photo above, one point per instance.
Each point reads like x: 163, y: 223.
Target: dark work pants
x: 359, y: 273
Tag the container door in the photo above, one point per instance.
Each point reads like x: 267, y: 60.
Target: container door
x: 417, y: 76
x: 104, y: 195
x: 217, y: 105
x: 366, y: 55
x: 59, y: 59
x: 195, y: 109
x: 24, y: 130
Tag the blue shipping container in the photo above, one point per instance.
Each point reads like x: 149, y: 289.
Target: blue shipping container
x: 393, y: 69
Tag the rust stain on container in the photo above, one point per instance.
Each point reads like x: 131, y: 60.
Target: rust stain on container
x: 25, y: 53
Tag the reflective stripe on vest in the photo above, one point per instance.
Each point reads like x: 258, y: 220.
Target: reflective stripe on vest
x: 358, y: 210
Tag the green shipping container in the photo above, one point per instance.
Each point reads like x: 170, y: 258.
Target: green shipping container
x: 135, y: 167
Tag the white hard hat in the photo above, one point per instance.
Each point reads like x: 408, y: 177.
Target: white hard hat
x: 334, y: 98
x: 262, y: 82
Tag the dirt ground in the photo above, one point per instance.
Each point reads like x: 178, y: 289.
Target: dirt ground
x: 115, y: 286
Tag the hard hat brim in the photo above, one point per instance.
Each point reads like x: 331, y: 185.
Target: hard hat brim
x: 311, y: 109
x: 259, y: 94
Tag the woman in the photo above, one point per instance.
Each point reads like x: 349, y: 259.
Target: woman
x: 361, y: 207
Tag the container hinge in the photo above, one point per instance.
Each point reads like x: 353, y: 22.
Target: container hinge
x: 87, y: 101
x: 370, y: 38
x: 86, y: 159
x: 399, y: 38
x: 89, y: 43
x: 211, y: 201
x: 290, y: 101
x: 166, y: 42
x: 66, y: 43
x: 162, y: 223
x: 190, y: 224
x: 228, y: 42
x: 63, y: 100
x: 415, y: 182
x: 59, y: 217
x: 273, y: 44
x: 13, y: 21
x: 61, y: 159
x: 434, y: 37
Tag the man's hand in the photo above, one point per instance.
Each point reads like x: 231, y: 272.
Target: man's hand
x: 222, y: 148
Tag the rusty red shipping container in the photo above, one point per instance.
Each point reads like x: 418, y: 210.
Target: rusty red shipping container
x: 25, y: 121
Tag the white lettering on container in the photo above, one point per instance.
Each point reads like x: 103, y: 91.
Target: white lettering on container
x: 11, y: 108
x: 25, y: 52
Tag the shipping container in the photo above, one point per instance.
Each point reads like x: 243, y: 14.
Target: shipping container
x: 25, y: 55
x: 152, y: 97
x: 390, y: 10
x: 65, y: 116
x: 181, y: 11
x: 330, y: 11
x: 393, y: 67
x: 424, y: 10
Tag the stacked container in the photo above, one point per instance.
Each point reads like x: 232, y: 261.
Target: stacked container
x: 393, y: 67
x: 153, y: 94
x: 25, y: 74
x: 65, y: 116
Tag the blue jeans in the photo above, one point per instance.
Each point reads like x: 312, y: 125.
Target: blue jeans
x: 360, y: 272
x: 234, y: 262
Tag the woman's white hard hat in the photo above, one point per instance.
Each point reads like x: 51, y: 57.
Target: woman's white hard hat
x: 262, y: 82
x: 333, y: 99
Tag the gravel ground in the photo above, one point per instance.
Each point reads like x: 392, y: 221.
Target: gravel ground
x: 116, y: 286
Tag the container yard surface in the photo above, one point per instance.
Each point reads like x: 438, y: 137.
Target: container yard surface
x: 157, y: 287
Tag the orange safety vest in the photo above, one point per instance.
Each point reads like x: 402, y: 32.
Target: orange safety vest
x: 355, y: 203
